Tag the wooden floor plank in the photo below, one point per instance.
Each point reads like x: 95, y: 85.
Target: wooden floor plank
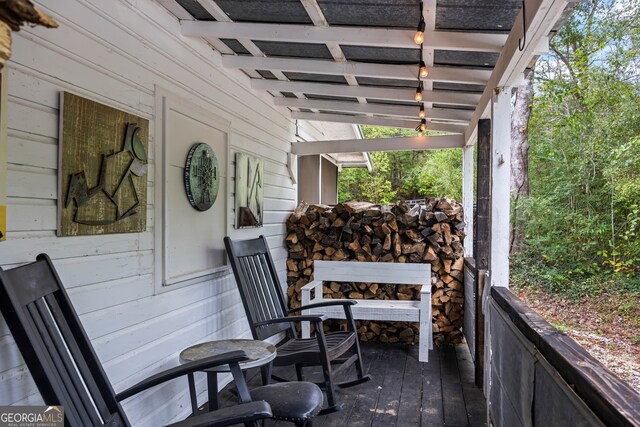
x: 348, y: 396
x: 455, y: 413
x: 366, y: 400
x: 386, y: 412
x: 403, y: 392
x: 411, y: 393
x: 474, y: 400
x: 432, y: 411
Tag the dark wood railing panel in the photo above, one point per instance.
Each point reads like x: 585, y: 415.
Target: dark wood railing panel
x: 577, y: 375
x: 512, y: 373
x: 473, y: 327
x: 469, y: 327
x: 556, y: 403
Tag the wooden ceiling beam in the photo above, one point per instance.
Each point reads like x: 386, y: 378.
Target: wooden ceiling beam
x: 397, y: 94
x: 357, y: 36
x: 381, y: 109
x: 378, y: 144
x: 376, y: 121
x: 383, y: 71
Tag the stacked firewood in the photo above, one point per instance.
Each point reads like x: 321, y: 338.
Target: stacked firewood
x: 358, y: 231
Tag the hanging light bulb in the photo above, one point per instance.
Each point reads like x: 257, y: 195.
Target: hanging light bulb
x: 421, y: 113
x: 419, y: 37
x: 422, y: 127
x: 419, y: 93
x: 423, y: 70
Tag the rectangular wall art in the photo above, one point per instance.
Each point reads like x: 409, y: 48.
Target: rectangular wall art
x: 102, y: 174
x: 249, y: 191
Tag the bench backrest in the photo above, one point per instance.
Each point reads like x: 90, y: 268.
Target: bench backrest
x: 372, y: 272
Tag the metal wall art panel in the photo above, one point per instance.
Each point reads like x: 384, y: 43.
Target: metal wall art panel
x: 249, y: 191
x: 102, y: 174
x: 201, y: 176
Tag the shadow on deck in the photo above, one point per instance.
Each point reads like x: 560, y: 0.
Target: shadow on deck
x: 403, y: 391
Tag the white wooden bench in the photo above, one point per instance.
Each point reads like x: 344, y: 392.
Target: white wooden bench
x: 373, y: 309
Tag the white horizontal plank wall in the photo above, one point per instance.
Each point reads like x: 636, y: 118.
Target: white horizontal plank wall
x: 117, y: 52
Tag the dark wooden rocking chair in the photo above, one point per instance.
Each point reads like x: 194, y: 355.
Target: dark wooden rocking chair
x: 65, y: 367
x: 268, y: 315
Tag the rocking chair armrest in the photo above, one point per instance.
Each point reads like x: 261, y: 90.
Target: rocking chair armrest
x: 242, y: 413
x: 315, y: 319
x: 344, y: 302
x: 178, y: 371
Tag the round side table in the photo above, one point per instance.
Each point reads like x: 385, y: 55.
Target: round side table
x: 260, y: 354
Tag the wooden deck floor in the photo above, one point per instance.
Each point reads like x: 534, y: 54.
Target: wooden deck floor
x: 403, y: 391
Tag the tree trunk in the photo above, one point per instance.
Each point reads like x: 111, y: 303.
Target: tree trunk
x: 520, y: 161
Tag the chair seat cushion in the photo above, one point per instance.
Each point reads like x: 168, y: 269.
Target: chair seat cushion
x: 292, y: 401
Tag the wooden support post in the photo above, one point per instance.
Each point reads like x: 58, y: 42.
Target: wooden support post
x: 500, y: 210
x: 467, y: 198
x: 500, y: 186
x: 483, y: 204
x: 483, y: 238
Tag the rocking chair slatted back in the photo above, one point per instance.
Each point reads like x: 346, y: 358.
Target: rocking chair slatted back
x: 261, y: 293
x: 264, y: 303
x: 55, y: 347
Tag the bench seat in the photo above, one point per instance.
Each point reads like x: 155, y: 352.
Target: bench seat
x: 375, y: 309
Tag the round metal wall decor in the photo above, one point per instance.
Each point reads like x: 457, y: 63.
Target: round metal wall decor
x: 201, y: 176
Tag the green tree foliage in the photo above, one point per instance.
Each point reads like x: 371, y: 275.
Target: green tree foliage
x: 402, y: 175
x: 584, y: 143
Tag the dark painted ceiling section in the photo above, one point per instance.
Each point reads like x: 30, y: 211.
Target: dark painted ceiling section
x: 272, y: 11
x: 341, y: 114
x: 266, y: 74
x: 454, y: 107
x: 331, y: 98
x: 459, y: 87
x: 195, y: 9
x: 294, y: 50
x: 393, y: 102
x: 235, y: 46
x: 372, y: 13
x: 381, y: 55
x: 465, y: 59
x: 372, y: 81
x: 477, y: 15
x: 318, y: 78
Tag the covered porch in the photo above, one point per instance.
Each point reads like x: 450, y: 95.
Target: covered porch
x: 254, y: 78
x: 404, y: 391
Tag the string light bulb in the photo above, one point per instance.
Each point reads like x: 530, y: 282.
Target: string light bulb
x: 423, y: 125
x: 421, y: 114
x: 419, y: 37
x: 423, y: 70
x: 419, y: 93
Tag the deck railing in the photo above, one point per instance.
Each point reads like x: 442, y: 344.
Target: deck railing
x: 540, y: 376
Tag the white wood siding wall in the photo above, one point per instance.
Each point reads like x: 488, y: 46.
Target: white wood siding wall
x: 116, y: 52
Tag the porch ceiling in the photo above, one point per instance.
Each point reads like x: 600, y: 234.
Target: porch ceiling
x: 354, y: 61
